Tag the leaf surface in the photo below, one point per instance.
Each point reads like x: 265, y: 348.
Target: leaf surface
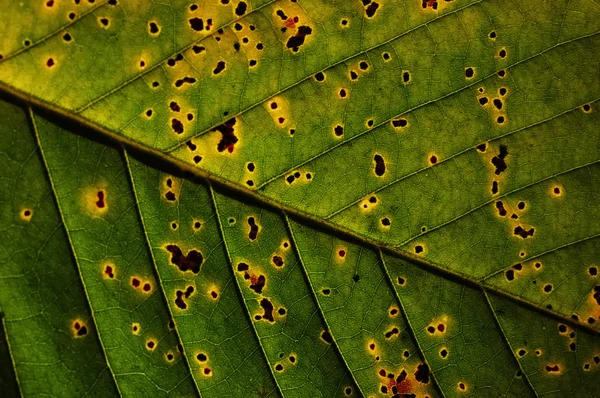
x: 358, y: 157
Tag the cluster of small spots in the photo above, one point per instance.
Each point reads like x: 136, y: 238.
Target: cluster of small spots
x: 79, y: 329
x: 228, y: 137
x: 511, y: 273
x: 370, y: 8
x: 296, y: 176
x: 393, y: 332
x: 267, y: 307
x: 109, y: 271
x: 190, y: 262
x: 137, y: 283
x: 440, y: 328
x: 369, y: 203
x: 181, y: 295
x: 169, y: 194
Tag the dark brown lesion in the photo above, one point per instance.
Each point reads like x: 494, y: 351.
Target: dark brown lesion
x: 228, y: 137
x: 295, y: 42
x: 379, y: 165
x: 190, y: 262
x: 101, y: 203
x: 253, y: 233
x: 498, y: 160
x: 267, y: 307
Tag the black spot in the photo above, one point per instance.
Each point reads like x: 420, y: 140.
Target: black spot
x: 196, y: 23
x: 399, y: 122
x: 510, y: 275
x: 326, y: 337
x: 469, y: 73
x: 406, y: 77
x: 501, y: 210
x: 267, y: 306
x: 371, y: 9
x: 492, y: 34
x: 257, y: 284
x: 277, y: 260
x: 502, y: 53
x: 253, y: 229
x: 363, y: 65
x: 494, y: 187
x: 241, y: 8
x: 100, y: 202
x: 243, y: 267
x: 66, y: 37
x: 228, y: 138
x: 356, y: 278
x: 190, y: 262
x: 523, y: 233
x: 353, y: 75
x: 502, y: 91
x: 422, y: 373
x: 497, y: 103
x: 391, y: 333
x: 483, y: 101
x: 498, y: 160
x: 188, y: 80
x: 418, y: 249
x: 338, y: 130
x: 297, y: 40
x: 320, y: 77
x: 386, y: 222
x: 547, y: 288
x: 219, y: 68
x: 379, y: 165
x: 198, y: 49
x: 401, y: 281
x: 177, y: 126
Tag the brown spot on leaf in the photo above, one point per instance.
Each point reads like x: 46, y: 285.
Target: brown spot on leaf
x: 190, y: 262
x: 228, y: 138
x: 267, y: 306
x: 257, y: 283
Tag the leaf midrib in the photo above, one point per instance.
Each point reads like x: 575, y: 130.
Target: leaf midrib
x: 118, y: 140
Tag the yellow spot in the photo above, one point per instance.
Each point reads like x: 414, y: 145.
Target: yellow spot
x: 26, y: 214
x: 340, y: 254
x: 197, y: 224
x: 79, y: 328
x: 109, y: 271
x: 151, y: 344
x: 95, y: 200
x: 136, y: 329
x: 213, y: 292
x: 556, y: 191
x: 369, y: 203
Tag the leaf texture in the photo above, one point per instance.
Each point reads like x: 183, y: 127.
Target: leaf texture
x: 394, y: 198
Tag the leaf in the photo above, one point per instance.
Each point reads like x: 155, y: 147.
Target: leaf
x: 438, y: 159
